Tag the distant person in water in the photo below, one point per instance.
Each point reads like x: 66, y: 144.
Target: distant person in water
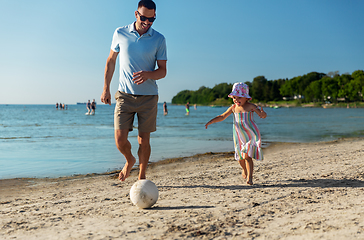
x: 165, y: 110
x: 247, y: 139
x: 188, y: 108
x: 93, y: 107
x: 88, y: 106
x: 57, y: 106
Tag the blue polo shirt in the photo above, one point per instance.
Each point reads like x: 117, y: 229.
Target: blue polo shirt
x: 137, y: 53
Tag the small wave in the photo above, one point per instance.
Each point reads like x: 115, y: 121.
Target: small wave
x: 355, y: 117
x: 26, y: 137
x: 11, y: 138
x: 48, y: 137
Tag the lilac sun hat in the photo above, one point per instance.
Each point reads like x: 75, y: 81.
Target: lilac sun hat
x: 240, y: 90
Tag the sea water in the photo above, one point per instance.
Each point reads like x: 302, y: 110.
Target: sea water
x: 40, y: 141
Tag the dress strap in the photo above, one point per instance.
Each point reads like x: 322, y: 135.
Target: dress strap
x: 233, y: 108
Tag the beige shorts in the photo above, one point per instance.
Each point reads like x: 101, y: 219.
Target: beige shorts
x: 127, y: 105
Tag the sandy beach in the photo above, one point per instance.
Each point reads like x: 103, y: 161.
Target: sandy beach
x: 300, y: 191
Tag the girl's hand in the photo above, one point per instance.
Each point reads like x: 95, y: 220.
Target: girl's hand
x: 220, y: 118
x: 261, y: 113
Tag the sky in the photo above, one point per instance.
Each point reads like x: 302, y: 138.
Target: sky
x: 55, y: 51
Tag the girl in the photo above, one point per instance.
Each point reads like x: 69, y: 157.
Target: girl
x: 247, y: 141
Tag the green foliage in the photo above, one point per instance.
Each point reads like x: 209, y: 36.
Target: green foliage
x: 203, y: 95
x: 313, y: 92
x: 312, y: 87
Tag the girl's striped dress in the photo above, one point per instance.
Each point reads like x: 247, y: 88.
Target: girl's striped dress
x: 246, y: 137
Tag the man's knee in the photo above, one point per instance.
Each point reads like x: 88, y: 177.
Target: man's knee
x: 121, y: 137
x: 144, y: 138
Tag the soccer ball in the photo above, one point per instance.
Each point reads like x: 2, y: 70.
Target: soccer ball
x: 144, y: 193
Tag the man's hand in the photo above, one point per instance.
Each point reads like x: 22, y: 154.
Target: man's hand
x: 106, y: 97
x: 140, y: 77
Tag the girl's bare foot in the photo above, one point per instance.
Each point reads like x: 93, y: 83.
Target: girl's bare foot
x: 249, y: 182
x: 244, y: 170
x: 126, y: 170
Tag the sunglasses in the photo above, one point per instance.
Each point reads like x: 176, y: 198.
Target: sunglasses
x: 143, y: 18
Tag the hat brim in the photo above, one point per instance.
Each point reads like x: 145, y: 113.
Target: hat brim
x: 245, y: 96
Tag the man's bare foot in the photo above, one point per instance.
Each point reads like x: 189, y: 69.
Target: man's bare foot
x: 126, y: 170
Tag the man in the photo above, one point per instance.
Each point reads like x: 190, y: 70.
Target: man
x: 140, y: 48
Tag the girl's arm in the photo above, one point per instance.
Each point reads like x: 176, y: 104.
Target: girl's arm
x: 221, y: 117
x: 260, y: 112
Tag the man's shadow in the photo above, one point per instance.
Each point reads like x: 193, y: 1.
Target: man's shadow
x: 180, y: 207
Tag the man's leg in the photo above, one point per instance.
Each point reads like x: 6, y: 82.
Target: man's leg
x: 147, y: 123
x: 143, y: 153
x: 124, y: 146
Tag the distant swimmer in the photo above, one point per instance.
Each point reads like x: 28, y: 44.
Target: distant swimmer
x: 88, y: 106
x: 188, y: 108
x: 93, y: 107
x: 165, y: 110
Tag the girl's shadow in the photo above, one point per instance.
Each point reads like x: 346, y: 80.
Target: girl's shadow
x: 321, y: 183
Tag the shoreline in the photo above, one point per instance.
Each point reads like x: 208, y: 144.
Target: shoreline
x: 300, y: 191
x: 172, y: 160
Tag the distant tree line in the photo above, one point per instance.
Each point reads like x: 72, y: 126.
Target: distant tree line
x: 203, y: 95
x: 312, y: 87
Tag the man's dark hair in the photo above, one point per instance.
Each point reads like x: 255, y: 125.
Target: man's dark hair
x: 148, y: 4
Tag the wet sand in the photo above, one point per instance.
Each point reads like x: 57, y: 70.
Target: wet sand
x: 300, y: 191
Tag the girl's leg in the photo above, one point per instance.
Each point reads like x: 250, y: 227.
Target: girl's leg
x: 250, y: 169
x: 243, y: 166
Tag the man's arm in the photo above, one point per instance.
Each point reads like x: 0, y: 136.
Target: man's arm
x: 160, y: 72
x: 109, y: 72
